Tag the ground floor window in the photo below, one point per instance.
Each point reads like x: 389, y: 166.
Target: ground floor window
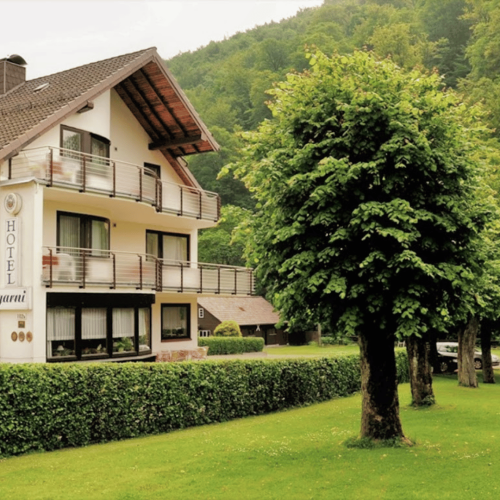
x: 77, y: 329
x: 61, y: 332
x: 94, y: 330
x: 175, y: 321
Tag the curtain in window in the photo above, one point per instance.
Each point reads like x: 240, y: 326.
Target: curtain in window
x: 99, y: 148
x: 99, y: 237
x: 72, y: 140
x: 175, y: 248
x: 123, y: 322
x: 144, y: 329
x: 93, y: 323
x: 152, y: 244
x: 175, y: 317
x: 60, y: 323
x: 69, y: 231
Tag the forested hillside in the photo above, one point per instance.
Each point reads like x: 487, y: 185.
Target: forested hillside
x: 227, y: 81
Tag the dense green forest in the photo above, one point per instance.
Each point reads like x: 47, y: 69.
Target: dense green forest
x: 227, y: 81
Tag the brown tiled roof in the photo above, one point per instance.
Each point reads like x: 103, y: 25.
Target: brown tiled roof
x: 140, y: 78
x: 23, y: 109
x: 243, y: 310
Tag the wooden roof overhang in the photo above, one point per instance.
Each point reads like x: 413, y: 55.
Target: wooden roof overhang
x: 160, y: 106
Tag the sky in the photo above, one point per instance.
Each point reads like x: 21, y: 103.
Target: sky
x: 57, y: 35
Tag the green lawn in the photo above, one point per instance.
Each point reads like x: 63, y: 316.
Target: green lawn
x: 331, y: 350
x: 311, y: 350
x: 297, y: 454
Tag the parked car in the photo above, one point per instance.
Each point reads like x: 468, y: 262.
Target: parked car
x: 448, y: 357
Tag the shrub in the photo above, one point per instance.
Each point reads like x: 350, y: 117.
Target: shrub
x: 53, y: 406
x: 328, y: 341
x: 231, y: 345
x: 228, y: 328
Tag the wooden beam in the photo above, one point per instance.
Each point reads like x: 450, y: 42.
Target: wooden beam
x: 136, y: 110
x: 145, y: 106
x: 163, y: 102
x: 174, y: 143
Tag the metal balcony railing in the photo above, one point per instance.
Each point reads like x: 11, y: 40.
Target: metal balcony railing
x: 95, y: 174
x: 183, y: 276
x: 83, y: 267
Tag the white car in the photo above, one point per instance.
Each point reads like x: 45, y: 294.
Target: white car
x: 448, y: 354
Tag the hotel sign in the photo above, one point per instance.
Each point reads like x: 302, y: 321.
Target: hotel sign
x: 12, y: 252
x: 15, y: 299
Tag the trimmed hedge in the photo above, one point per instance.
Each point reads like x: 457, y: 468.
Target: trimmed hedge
x: 231, y: 345
x: 52, y: 406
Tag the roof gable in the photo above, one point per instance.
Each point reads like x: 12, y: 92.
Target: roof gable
x: 243, y: 310
x: 142, y: 81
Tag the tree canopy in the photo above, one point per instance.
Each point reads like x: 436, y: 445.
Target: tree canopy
x: 366, y: 179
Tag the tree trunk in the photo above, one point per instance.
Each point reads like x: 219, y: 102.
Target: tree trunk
x: 488, y: 374
x: 433, y: 353
x: 380, y: 407
x: 420, y: 371
x: 466, y: 347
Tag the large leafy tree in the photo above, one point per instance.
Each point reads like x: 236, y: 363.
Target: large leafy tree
x: 219, y: 244
x: 368, y: 216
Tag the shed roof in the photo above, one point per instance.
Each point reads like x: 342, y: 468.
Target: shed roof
x: 243, y: 310
x: 142, y: 81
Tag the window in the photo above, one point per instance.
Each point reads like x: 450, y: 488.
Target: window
x: 201, y: 313
x: 98, y: 327
x: 144, y: 329
x: 61, y: 333
x: 151, y: 167
x: 175, y: 321
x: 123, y: 330
x: 94, y: 331
x: 83, y: 142
x: 168, y: 246
x: 83, y: 231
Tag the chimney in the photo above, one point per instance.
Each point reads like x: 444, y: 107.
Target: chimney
x: 12, y: 73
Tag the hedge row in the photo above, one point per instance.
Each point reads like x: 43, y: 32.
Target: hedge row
x: 52, y: 406
x: 231, y: 345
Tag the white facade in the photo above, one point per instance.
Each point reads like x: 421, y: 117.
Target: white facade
x: 107, y: 289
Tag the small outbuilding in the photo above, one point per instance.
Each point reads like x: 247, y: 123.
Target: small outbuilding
x: 255, y: 316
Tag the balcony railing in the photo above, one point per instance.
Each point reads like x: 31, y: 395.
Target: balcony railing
x: 96, y: 174
x: 83, y: 267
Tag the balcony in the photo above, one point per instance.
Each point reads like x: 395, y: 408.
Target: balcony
x: 83, y: 267
x: 98, y: 175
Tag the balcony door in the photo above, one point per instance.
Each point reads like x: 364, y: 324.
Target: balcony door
x: 172, y: 248
x: 83, y: 248
x: 82, y: 141
x: 83, y: 232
